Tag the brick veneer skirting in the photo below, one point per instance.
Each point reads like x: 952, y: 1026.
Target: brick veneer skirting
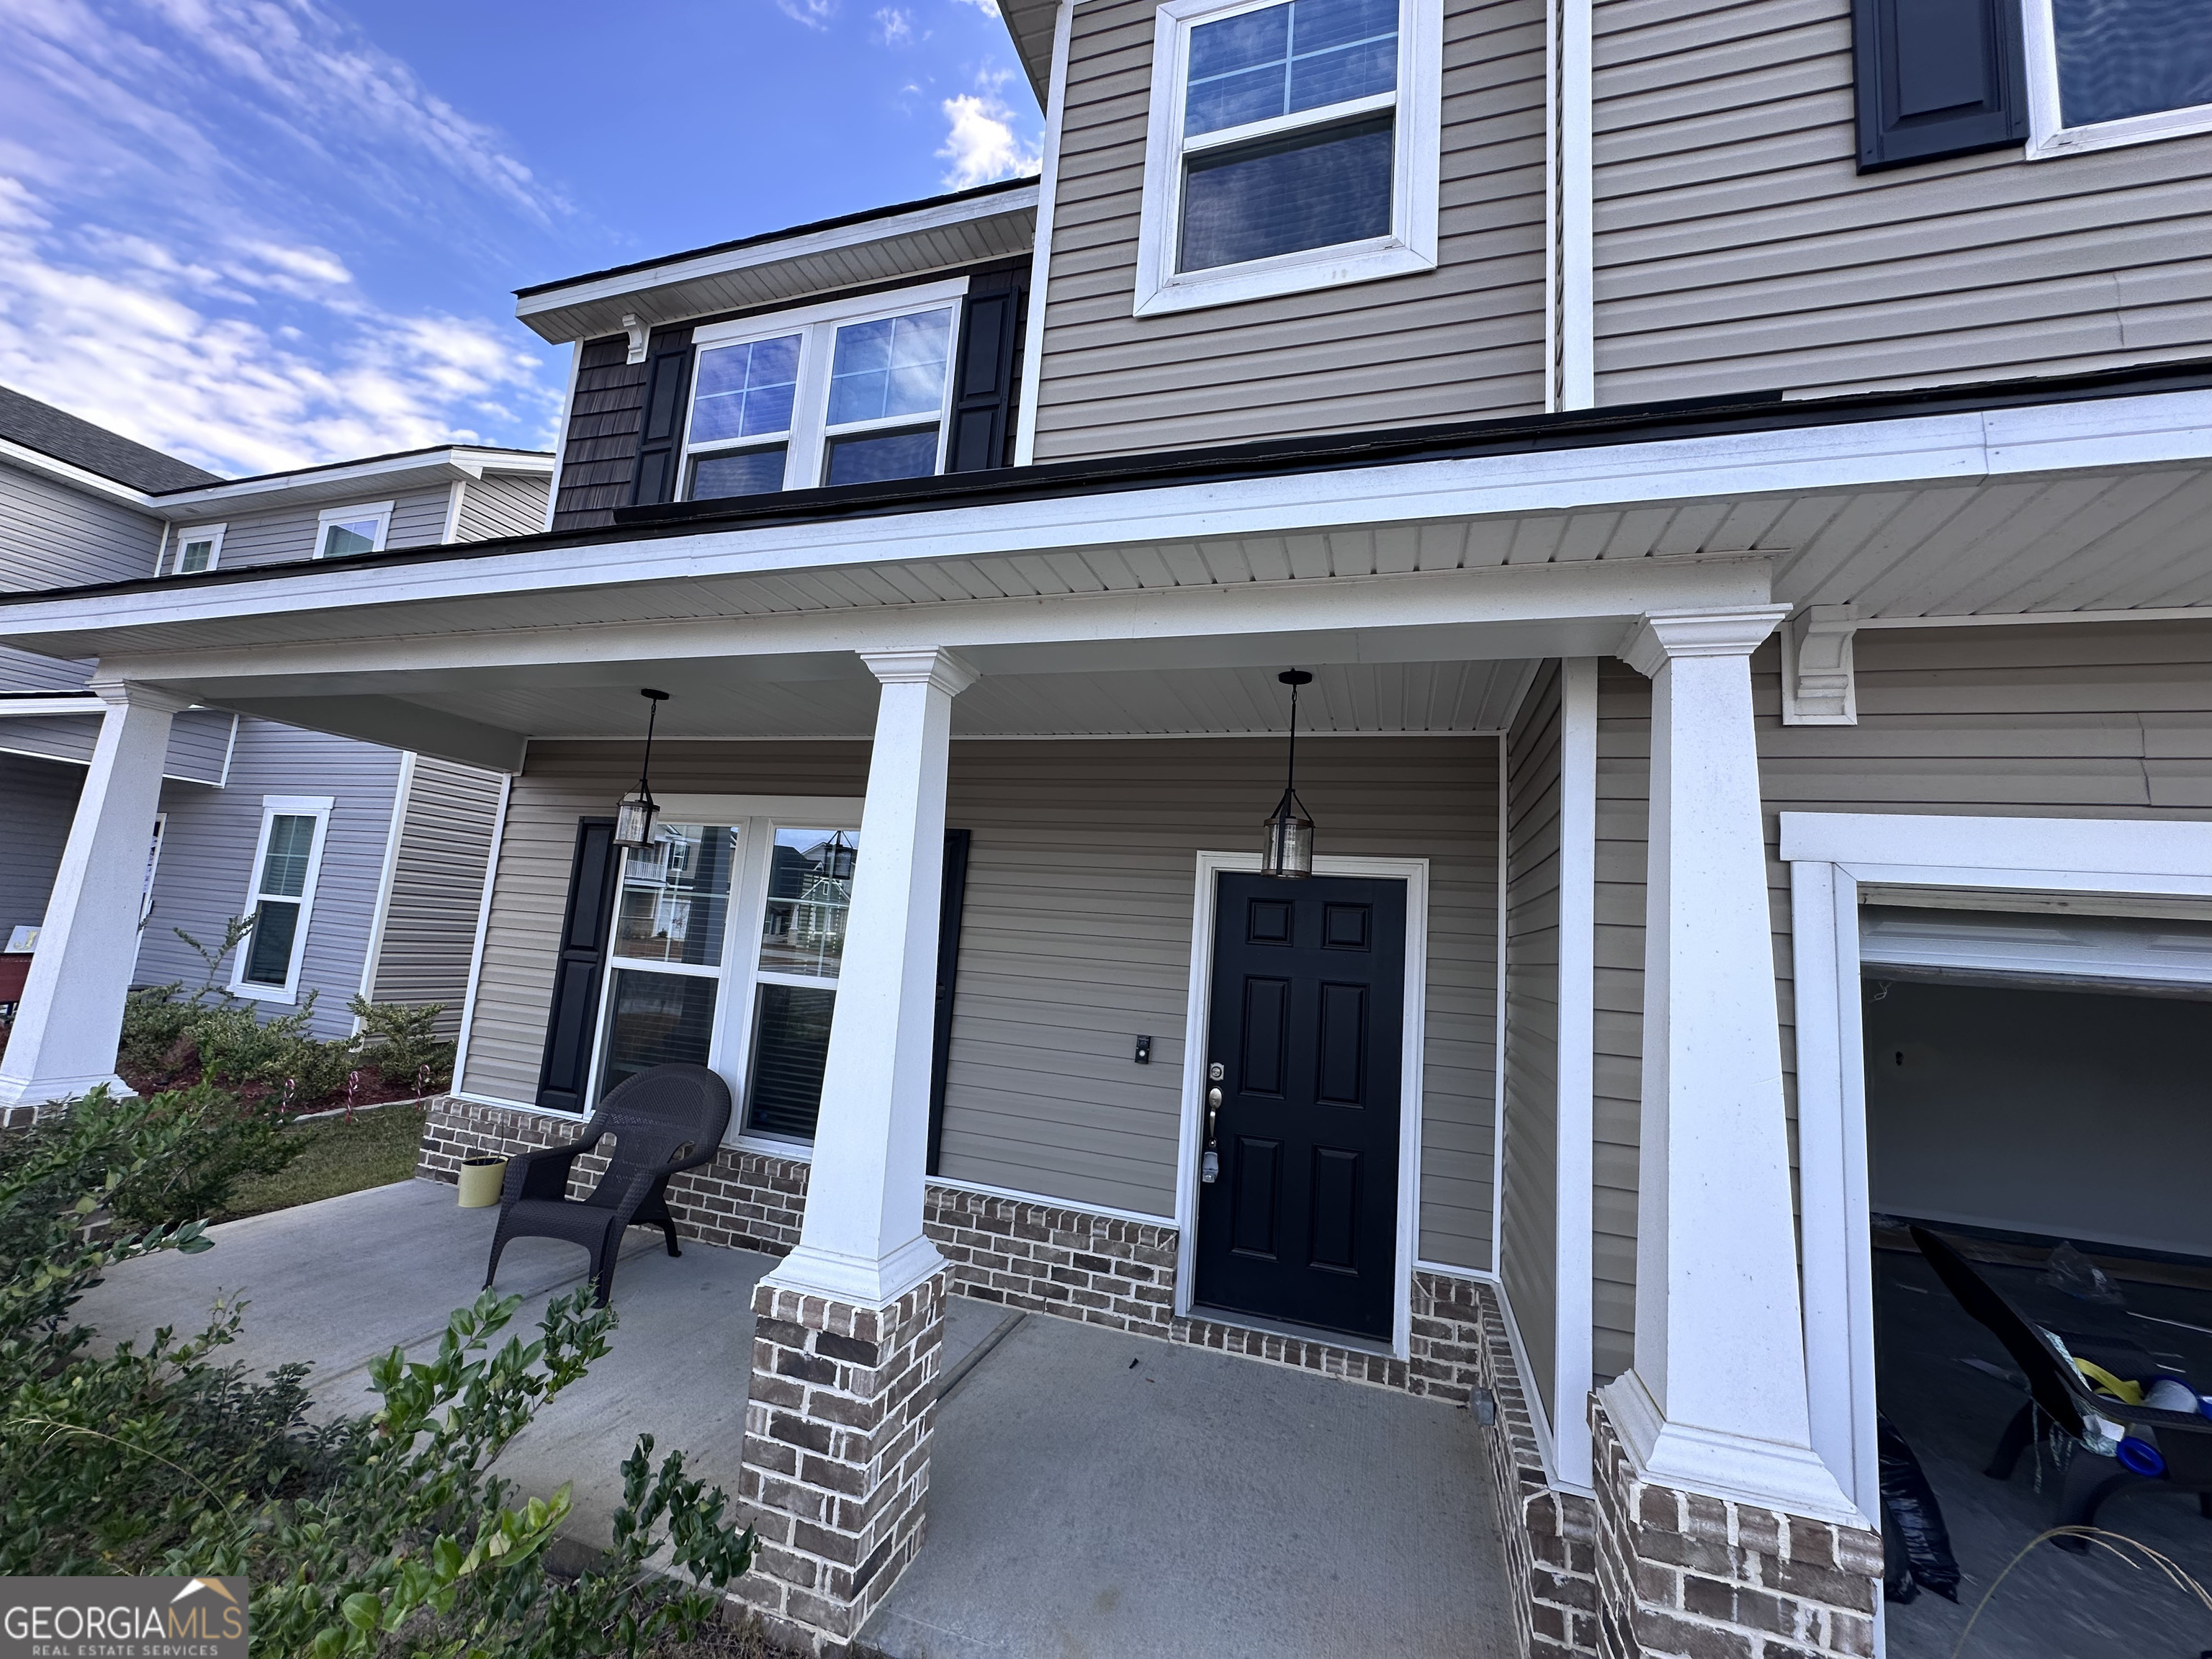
x: 1682, y: 1576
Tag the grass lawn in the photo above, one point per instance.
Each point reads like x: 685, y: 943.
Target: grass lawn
x: 376, y: 1149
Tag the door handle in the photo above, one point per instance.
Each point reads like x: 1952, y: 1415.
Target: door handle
x: 1212, y: 1109
x: 1209, y: 1163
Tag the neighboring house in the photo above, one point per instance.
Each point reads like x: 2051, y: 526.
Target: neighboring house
x: 362, y: 862
x: 1725, y: 469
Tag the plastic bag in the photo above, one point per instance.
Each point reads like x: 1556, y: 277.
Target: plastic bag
x: 1916, y: 1544
x: 2069, y: 1271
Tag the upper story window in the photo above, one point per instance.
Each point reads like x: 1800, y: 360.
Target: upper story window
x: 1293, y: 146
x: 2106, y: 72
x: 348, y: 529
x: 197, y: 550
x: 850, y: 393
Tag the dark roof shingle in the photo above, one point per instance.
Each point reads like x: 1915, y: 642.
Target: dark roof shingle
x: 42, y: 427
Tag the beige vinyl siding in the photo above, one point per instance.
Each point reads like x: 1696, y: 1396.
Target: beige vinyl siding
x: 2084, y: 720
x: 437, y: 887
x: 1738, y: 249
x: 1076, y: 936
x: 1529, y: 1256
x: 53, y: 535
x: 1464, y: 340
x: 502, y: 504
x: 285, y: 535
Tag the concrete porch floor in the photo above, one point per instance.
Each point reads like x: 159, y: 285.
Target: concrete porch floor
x: 1090, y: 1494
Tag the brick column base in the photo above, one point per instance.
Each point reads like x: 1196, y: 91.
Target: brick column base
x: 836, y: 1455
x: 1682, y: 1576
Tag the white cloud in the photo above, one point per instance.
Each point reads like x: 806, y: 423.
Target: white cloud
x: 980, y: 142
x: 815, y: 14
x: 131, y: 338
x: 988, y: 7
x: 895, y: 27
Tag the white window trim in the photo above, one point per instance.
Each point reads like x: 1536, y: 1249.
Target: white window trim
x: 2047, y: 134
x: 1414, y: 872
x: 201, y: 532
x: 1831, y: 856
x: 1410, y: 247
x: 806, y: 444
x: 317, y: 807
x: 729, y: 1051
x: 380, y: 511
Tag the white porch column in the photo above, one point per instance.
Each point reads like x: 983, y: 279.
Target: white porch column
x: 862, y: 1240
x: 72, y: 1018
x: 1716, y: 1401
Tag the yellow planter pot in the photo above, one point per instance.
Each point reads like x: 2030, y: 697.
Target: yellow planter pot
x: 480, y: 1182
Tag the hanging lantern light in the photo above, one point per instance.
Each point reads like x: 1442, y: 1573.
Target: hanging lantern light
x: 1290, y: 832
x: 839, y: 857
x: 635, y: 813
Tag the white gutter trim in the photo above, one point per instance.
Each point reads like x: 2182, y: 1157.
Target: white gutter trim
x: 1025, y: 417
x: 33, y: 460
x: 1576, y: 232
x: 1960, y: 448
x: 944, y: 217
x: 456, y: 462
x: 21, y: 708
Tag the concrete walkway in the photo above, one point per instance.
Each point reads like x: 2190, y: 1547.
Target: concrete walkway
x: 1080, y: 1505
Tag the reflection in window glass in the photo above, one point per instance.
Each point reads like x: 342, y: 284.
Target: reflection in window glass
x: 881, y: 456
x: 895, y: 365
x: 284, y: 866
x: 269, y: 956
x: 744, y: 391
x: 791, y: 1044
x: 810, y: 888
x: 352, y: 536
x: 2123, y: 58
x: 1258, y: 66
x: 656, y: 1019
x: 674, y: 904
x: 1313, y: 188
x: 748, y: 472
x: 198, y: 556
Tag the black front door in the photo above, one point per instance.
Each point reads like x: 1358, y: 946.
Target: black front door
x: 1304, y: 1036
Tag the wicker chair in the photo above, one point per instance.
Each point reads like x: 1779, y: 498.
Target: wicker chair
x: 664, y: 1121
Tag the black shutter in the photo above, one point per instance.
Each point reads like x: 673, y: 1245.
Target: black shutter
x: 955, y: 894
x: 983, y: 392
x: 563, y: 1082
x: 660, y: 437
x: 1937, y: 78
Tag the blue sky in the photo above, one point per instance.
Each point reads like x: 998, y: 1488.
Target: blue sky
x: 261, y: 233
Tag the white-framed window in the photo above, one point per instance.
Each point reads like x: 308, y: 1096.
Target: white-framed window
x: 726, y: 941
x: 2106, y: 72
x: 1293, y: 145
x: 852, y: 392
x: 153, y: 868
x: 280, y: 897
x: 344, y: 531
x: 198, y: 549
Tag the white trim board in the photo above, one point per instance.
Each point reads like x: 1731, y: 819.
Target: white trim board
x: 1414, y: 872
x: 2048, y: 136
x: 1831, y: 856
x: 1025, y: 415
x: 483, y: 931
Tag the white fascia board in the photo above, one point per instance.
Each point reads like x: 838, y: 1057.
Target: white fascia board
x: 921, y: 221
x: 1892, y: 841
x: 1942, y: 448
x: 398, y: 471
x: 60, y: 703
x: 33, y: 460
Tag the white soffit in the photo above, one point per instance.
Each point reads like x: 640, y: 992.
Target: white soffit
x: 2008, y: 945
x: 941, y: 237
x: 347, y: 481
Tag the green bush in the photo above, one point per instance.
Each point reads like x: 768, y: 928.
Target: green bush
x: 372, y: 1536
x: 400, y: 1040
x: 220, y: 1144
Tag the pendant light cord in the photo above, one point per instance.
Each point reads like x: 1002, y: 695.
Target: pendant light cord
x: 652, y: 713
x: 1291, y: 772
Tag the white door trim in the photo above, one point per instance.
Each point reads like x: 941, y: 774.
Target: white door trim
x: 1414, y: 872
x: 1832, y: 854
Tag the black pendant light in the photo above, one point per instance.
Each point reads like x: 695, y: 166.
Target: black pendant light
x: 1290, y: 832
x: 839, y: 858
x: 634, y: 815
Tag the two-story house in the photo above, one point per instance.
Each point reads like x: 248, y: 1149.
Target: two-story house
x: 1734, y: 476
x: 360, y: 863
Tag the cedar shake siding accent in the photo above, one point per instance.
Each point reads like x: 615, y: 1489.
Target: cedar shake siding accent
x: 2111, y: 721
x: 1739, y: 248
x: 1075, y: 936
x: 1462, y: 341
x: 1529, y: 1246
x: 599, y: 452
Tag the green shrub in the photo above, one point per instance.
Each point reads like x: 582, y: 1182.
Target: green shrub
x: 374, y: 1535
x: 157, y: 1024
x: 400, y: 1040
x: 219, y: 1144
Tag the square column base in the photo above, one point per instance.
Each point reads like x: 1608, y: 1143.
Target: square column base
x: 1683, y: 1576
x: 838, y: 1421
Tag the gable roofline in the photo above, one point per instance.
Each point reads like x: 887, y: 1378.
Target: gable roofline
x: 907, y: 239
x: 1750, y: 416
x: 27, y: 423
